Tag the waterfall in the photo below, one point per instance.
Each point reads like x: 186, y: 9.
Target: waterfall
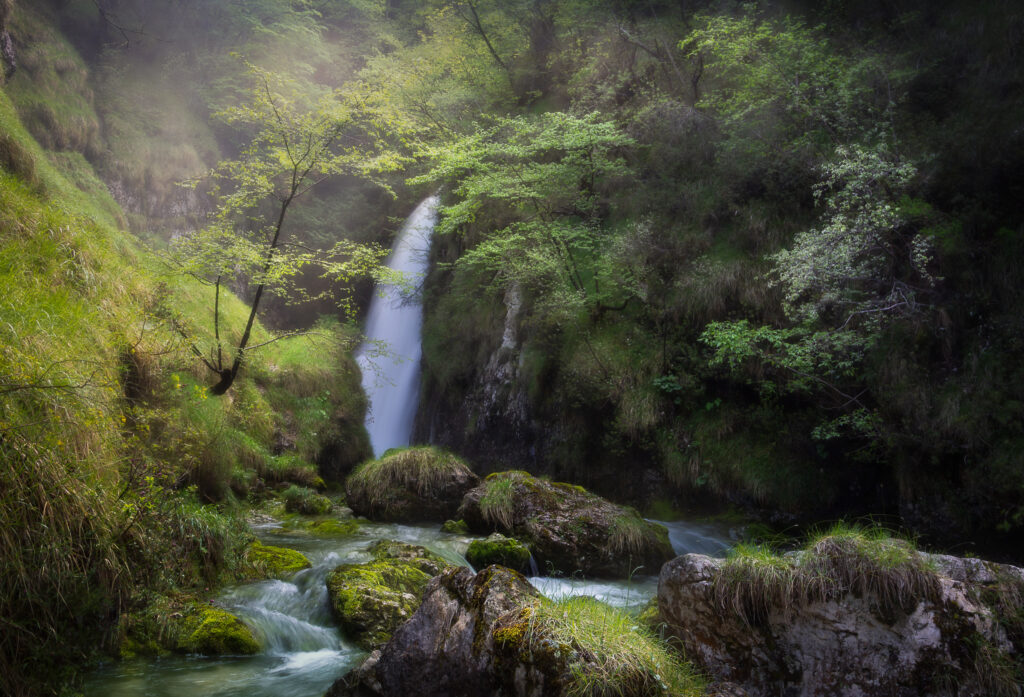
x: 390, y: 357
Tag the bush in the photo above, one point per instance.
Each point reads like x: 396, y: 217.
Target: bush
x: 299, y: 499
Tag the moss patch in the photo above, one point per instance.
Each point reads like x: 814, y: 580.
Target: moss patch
x: 455, y: 527
x: 371, y: 600
x: 498, y: 549
x: 265, y: 561
x: 216, y: 632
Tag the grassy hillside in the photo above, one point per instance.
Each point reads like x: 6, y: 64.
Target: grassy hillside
x: 112, y: 449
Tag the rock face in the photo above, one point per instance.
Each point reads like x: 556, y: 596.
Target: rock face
x: 371, y: 600
x: 447, y: 648
x: 421, y: 484
x: 952, y: 640
x: 567, y: 528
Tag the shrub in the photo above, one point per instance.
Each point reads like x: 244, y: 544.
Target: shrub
x: 299, y: 499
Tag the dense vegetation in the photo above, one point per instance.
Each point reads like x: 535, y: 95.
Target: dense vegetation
x: 766, y: 254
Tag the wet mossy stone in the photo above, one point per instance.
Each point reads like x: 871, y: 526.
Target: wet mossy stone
x: 371, y: 600
x: 215, y: 632
x: 455, y: 527
x: 567, y: 528
x: 422, y: 558
x: 498, y: 549
x: 334, y: 528
x: 265, y: 561
x: 419, y: 484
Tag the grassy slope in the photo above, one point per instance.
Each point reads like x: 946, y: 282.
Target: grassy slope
x: 108, y: 438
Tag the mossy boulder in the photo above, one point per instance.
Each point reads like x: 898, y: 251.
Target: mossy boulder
x: 420, y: 484
x: 455, y: 527
x: 334, y: 528
x: 266, y: 561
x: 567, y: 528
x: 299, y: 499
x: 498, y: 549
x: 166, y: 625
x: 216, y: 632
x: 371, y: 600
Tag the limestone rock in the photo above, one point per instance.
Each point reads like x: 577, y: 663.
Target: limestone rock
x: 567, y: 528
x: 856, y: 644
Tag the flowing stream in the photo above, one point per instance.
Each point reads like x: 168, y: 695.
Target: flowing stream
x: 390, y: 358
x: 304, y: 652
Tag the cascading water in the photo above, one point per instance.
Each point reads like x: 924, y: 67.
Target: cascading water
x: 390, y: 358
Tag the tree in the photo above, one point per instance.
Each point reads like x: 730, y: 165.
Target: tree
x: 296, y: 143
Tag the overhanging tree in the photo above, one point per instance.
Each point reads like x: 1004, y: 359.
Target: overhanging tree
x: 297, y: 142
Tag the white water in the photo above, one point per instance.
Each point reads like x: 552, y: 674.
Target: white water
x: 390, y: 359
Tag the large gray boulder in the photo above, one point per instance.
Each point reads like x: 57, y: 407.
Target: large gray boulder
x: 567, y: 528
x: 447, y: 648
x: 940, y: 626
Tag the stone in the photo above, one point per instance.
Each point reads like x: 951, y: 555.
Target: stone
x: 498, y: 549
x: 419, y: 484
x: 568, y: 529
x: 853, y: 644
x: 266, y: 561
x: 371, y: 600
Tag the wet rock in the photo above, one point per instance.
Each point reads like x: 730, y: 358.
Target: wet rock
x: 949, y: 638
x: 447, y: 648
x: 567, y: 528
x: 501, y: 550
x: 371, y: 600
x: 167, y: 625
x: 266, y: 561
x: 421, y: 484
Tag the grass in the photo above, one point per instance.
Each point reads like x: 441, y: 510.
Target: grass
x: 424, y: 470
x: 606, y: 650
x: 629, y: 533
x: 497, y: 505
x: 845, y: 559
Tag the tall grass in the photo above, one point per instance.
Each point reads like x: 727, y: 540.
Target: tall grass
x: 755, y: 581
x: 607, y: 651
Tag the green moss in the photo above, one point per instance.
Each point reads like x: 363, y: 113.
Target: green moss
x: 420, y: 557
x: 218, y: 633
x: 371, y: 600
x: 455, y: 527
x: 274, y: 562
x: 299, y: 499
x: 335, y: 528
x: 498, y: 549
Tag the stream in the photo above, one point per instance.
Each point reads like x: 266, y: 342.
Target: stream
x: 304, y: 653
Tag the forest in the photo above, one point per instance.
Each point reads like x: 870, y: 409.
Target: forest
x: 748, y: 272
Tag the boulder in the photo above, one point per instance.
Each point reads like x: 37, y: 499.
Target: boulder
x: 568, y: 529
x: 447, y: 648
x: 421, y: 484
x: 491, y: 634
x: 371, y: 600
x: 167, y: 625
x: 266, y: 561
x: 801, y: 625
x: 501, y: 550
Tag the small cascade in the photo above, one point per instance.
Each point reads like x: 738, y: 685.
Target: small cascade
x: 391, y: 379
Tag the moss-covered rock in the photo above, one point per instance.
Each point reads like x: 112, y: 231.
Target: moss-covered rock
x: 498, y: 549
x: 422, y: 558
x: 265, y: 561
x: 408, y: 485
x: 334, y: 528
x: 371, y: 600
x: 167, y: 625
x: 567, y: 528
x: 299, y: 499
x: 455, y: 527
x: 216, y: 632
